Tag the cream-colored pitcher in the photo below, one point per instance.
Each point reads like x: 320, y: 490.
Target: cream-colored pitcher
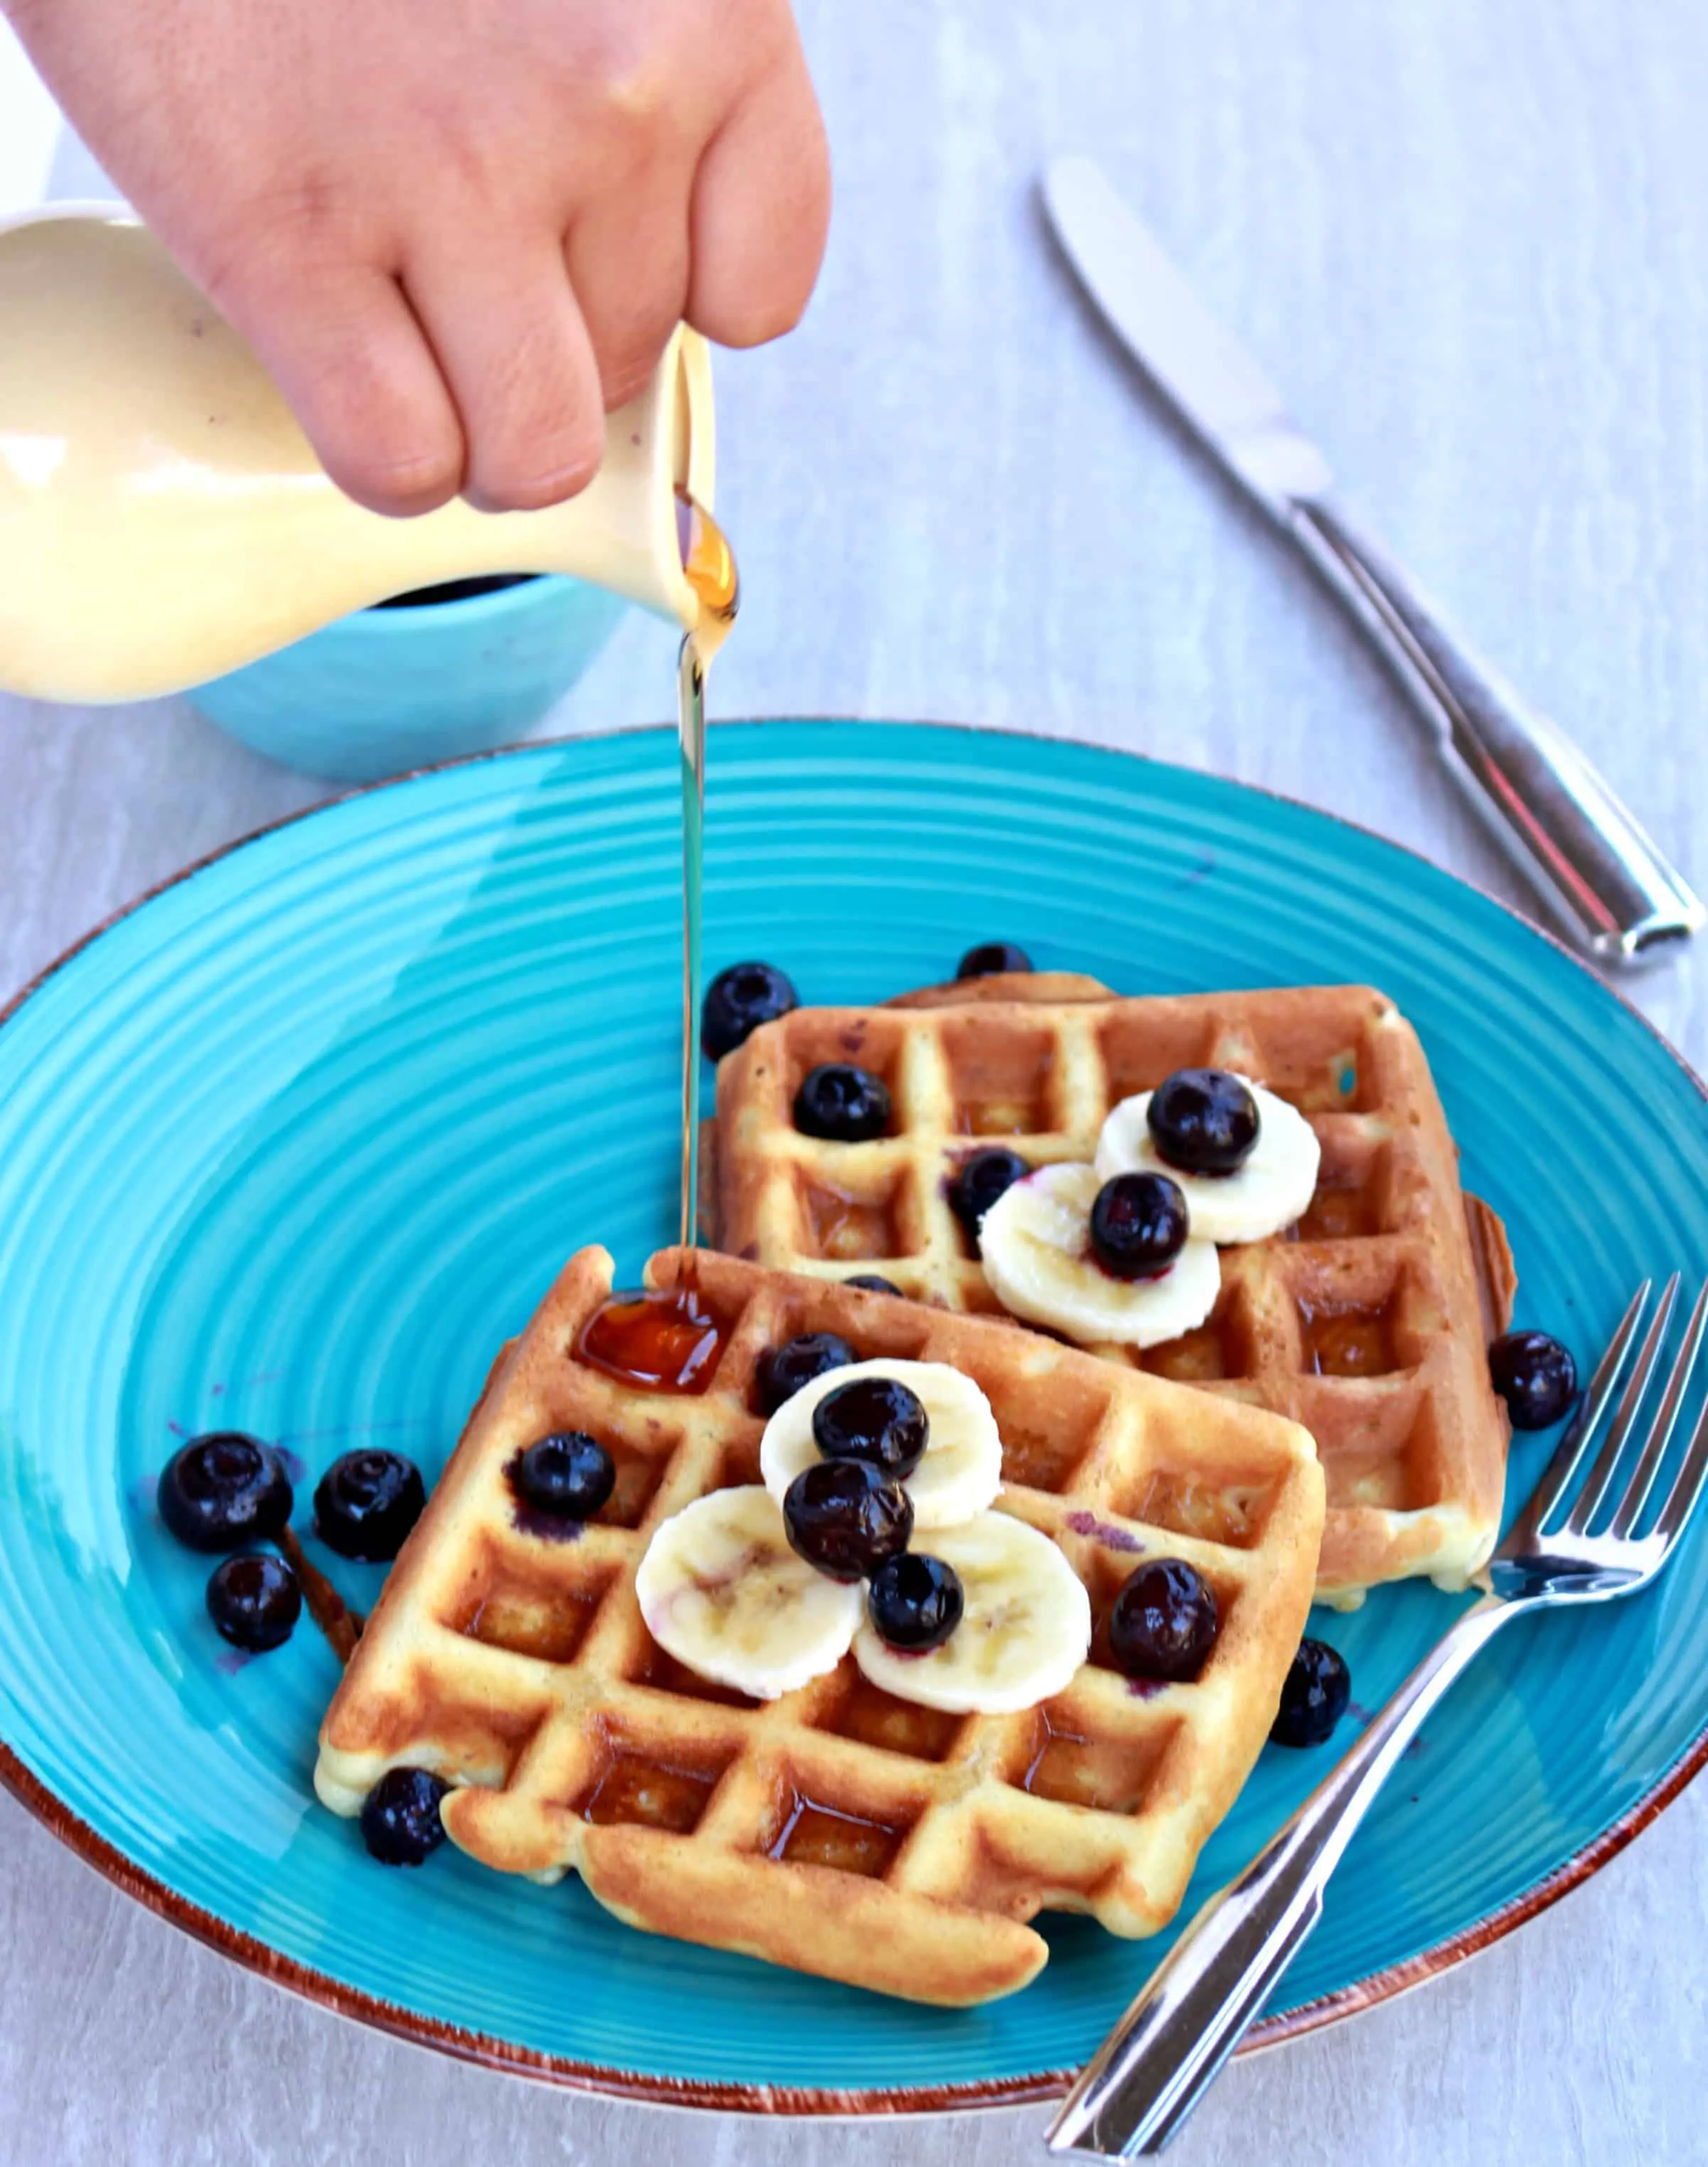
x: 163, y: 518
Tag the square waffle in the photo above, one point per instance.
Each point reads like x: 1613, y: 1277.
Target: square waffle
x: 1368, y: 1322
x: 838, y: 1830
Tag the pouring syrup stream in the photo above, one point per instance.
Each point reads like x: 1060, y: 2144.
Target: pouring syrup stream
x: 709, y: 565
x: 666, y: 1340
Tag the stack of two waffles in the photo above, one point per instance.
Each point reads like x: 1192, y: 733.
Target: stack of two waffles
x: 1332, y: 1426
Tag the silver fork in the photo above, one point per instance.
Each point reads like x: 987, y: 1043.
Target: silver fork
x: 1135, y: 2094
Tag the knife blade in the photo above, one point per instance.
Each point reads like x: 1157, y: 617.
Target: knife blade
x: 1602, y: 879
x: 1212, y: 381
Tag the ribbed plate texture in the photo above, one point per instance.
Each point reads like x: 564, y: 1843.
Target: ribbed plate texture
x: 295, y: 1145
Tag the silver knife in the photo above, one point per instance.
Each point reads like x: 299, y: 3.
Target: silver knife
x: 1603, y: 880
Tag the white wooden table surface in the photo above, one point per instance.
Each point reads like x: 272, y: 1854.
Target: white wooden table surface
x: 1473, y: 243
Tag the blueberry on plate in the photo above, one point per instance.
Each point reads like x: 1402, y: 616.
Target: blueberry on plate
x: 842, y: 1104
x: 1535, y: 1375
x: 846, y: 1518
x: 915, y: 1601
x: 1315, y: 1697
x: 400, y: 1822
x: 983, y: 1176
x: 785, y: 1369
x: 367, y: 1502
x: 225, y: 1489
x: 254, y: 1601
x: 738, y: 1000
x: 1164, y: 1623
x: 567, y: 1476
x: 1203, y: 1120
x: 875, y: 1419
x: 991, y: 958
x: 874, y: 1283
x: 1139, y: 1225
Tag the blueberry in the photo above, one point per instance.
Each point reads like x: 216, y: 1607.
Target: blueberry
x: 255, y: 1601
x: 915, y: 1601
x: 400, y: 1822
x: 225, y: 1489
x: 1202, y: 1120
x: 983, y: 1177
x: 1164, y: 1623
x: 873, y: 1283
x: 844, y: 1517
x: 1315, y: 1697
x: 876, y: 1419
x: 991, y: 957
x: 797, y: 1362
x: 367, y: 1503
x: 738, y: 1000
x: 567, y: 1476
x: 1535, y: 1375
x: 842, y: 1104
x: 1139, y: 1225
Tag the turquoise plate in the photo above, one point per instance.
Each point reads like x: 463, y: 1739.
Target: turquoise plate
x: 293, y: 1146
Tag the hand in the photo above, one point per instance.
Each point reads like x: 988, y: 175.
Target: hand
x: 458, y: 231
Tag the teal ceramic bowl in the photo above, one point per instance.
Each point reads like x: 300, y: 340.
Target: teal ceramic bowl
x: 294, y: 1147
x: 389, y: 690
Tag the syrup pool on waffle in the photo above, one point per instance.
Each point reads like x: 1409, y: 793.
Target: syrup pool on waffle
x: 657, y: 1340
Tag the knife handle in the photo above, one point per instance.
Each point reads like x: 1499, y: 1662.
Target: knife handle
x: 1604, y: 881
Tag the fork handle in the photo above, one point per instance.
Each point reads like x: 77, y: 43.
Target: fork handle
x: 1152, y: 2069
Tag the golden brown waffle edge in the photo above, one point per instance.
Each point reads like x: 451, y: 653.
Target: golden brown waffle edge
x: 1383, y: 1267
x: 836, y: 1830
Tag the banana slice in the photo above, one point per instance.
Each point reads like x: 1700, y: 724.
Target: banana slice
x: 1036, y: 1242
x: 1026, y: 1628
x: 721, y: 1592
x: 1268, y: 1192
x: 962, y: 1470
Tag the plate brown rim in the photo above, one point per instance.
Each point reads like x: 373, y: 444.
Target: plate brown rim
x: 505, y: 2055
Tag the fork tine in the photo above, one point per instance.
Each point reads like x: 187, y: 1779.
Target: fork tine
x: 1660, y: 1437
x: 1682, y: 1497
x: 1591, y: 1407
x: 1594, y: 1493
